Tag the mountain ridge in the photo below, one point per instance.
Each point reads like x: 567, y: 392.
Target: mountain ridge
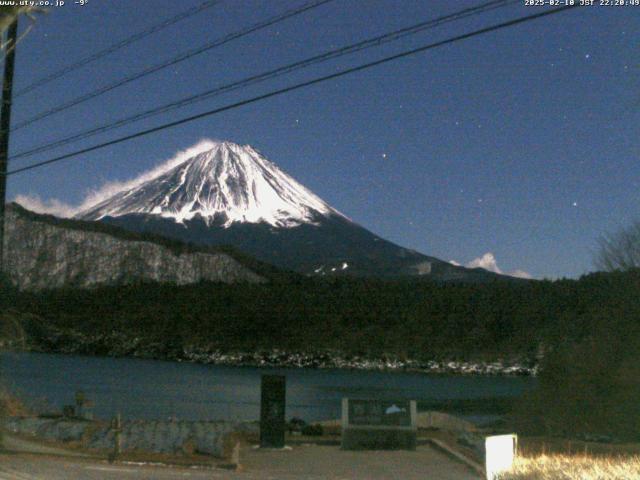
x: 231, y: 194
x: 43, y: 251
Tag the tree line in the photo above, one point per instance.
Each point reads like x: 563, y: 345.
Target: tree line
x: 586, y: 332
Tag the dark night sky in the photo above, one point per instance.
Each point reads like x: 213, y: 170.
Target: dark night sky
x: 522, y: 142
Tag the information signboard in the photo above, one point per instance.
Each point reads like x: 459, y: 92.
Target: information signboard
x: 378, y: 424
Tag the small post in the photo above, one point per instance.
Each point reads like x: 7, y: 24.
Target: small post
x: 117, y: 439
x: 235, y: 457
x: 345, y: 415
x: 234, y: 443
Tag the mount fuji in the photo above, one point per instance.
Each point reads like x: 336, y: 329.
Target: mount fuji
x: 230, y: 194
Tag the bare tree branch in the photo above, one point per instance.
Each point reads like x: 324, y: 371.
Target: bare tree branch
x: 619, y: 250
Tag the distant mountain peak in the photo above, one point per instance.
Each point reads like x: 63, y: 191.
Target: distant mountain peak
x: 222, y: 193
x: 229, y: 183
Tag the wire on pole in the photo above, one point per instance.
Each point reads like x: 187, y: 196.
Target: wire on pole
x: 116, y: 46
x: 173, y: 61
x: 271, y: 74
x: 298, y: 86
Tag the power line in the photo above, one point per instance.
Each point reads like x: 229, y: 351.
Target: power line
x: 117, y: 46
x: 298, y: 86
x: 173, y: 61
x: 330, y: 55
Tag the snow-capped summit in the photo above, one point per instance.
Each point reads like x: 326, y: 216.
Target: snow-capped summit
x: 230, y: 183
x: 221, y: 193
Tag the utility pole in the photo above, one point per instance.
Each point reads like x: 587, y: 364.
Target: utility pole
x: 5, y: 125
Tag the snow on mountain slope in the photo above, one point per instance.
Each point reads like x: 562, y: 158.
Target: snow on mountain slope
x: 221, y: 193
x: 231, y: 182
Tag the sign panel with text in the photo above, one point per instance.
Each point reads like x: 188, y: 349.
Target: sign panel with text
x: 378, y: 424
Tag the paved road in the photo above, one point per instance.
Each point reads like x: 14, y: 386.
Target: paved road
x: 13, y: 443
x: 330, y: 463
x: 302, y: 462
x: 31, y: 467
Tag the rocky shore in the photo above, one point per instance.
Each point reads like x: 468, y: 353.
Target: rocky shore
x: 278, y: 358
x: 45, y: 338
x: 118, y: 346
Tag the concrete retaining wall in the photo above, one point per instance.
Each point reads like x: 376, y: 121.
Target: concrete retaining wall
x: 173, y: 437
x: 444, y: 421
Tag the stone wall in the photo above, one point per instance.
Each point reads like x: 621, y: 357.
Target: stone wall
x: 171, y: 437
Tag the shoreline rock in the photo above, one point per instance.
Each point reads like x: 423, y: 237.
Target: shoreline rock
x: 280, y: 359
x: 134, y: 348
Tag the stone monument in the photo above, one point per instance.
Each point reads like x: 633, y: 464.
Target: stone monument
x: 272, y: 411
x: 379, y: 424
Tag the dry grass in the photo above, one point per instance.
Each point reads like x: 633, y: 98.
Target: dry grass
x: 575, y: 467
x: 535, y: 446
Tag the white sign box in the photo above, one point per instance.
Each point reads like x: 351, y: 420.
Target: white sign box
x: 500, y: 454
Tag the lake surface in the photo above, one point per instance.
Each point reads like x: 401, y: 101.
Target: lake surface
x: 154, y: 389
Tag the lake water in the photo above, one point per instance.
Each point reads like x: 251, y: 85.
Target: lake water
x: 153, y: 389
